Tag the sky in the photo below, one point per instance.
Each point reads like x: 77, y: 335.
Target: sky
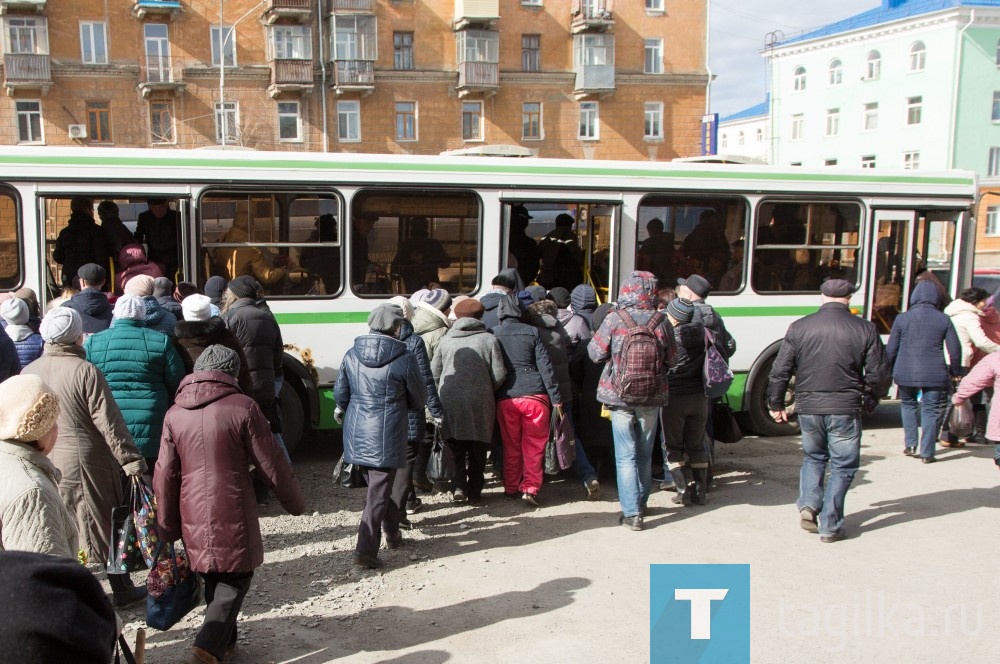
x: 738, y: 32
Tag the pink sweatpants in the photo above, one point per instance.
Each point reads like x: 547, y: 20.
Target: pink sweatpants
x: 524, y: 425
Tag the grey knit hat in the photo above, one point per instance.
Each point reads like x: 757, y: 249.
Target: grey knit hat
x: 385, y: 317
x: 62, y: 325
x: 244, y: 286
x: 219, y: 358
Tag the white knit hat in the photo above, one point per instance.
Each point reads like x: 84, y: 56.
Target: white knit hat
x: 140, y: 284
x: 197, y: 307
x: 62, y: 325
x: 130, y: 307
x: 403, y: 303
x: 28, y: 408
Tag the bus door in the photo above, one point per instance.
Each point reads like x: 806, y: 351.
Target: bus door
x: 564, y: 242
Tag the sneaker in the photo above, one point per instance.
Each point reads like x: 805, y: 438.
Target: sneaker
x: 910, y: 451
x: 807, y: 519
x: 944, y: 442
x: 458, y: 496
x: 927, y: 459
x: 405, y: 523
x: 631, y: 522
x: 593, y: 489
x: 394, y: 541
x: 414, y: 505
x: 530, y: 499
x: 833, y: 537
x: 364, y: 560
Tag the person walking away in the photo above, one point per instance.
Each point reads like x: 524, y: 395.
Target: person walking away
x: 27, y: 342
x: 563, y: 301
x: 378, y: 383
x: 142, y: 369
x: 968, y: 315
x: 34, y: 310
x: 81, y: 242
x: 200, y: 329
x: 918, y: 366
x: 469, y: 369
x: 156, y: 317
x: 583, y: 302
x: 157, y: 229
x: 91, y: 303
x: 593, y: 428
x: 983, y: 376
x: 636, y: 345
x: 32, y: 514
x: 211, y: 436
x: 840, y: 367
x: 430, y: 322
x: 93, y: 447
x: 684, y: 419
x: 506, y: 283
x: 524, y: 401
x: 562, y: 258
x: 163, y: 293
x: 696, y: 288
x: 133, y: 263
x: 214, y: 289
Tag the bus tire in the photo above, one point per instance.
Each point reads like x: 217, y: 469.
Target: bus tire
x: 760, y: 417
x: 292, y: 417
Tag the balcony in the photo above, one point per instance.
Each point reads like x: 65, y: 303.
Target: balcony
x: 160, y: 74
x: 594, y: 79
x: 296, y: 10
x: 349, y: 6
x: 169, y: 8
x: 591, y: 16
x: 478, y: 77
x: 290, y: 76
x: 476, y: 12
x: 22, y: 6
x: 353, y: 75
x: 26, y: 71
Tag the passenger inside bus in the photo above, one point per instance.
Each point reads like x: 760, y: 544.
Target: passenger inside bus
x: 420, y: 257
x: 81, y: 241
x: 157, y: 228
x: 362, y: 224
x: 248, y: 259
x: 322, y: 263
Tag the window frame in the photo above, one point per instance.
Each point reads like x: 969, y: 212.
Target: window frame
x: 88, y: 40
x: 298, y: 138
x: 531, y: 52
x: 870, y: 116
x: 798, y: 126
x: 832, y: 122
x: 835, y: 73
x: 653, y: 55
x: 473, y: 121
x: 918, y: 57
x: 33, y: 117
x: 654, y: 110
x: 914, y: 110
x: 992, y: 226
x: 221, y: 43
x: 868, y: 161
x: 98, y: 119
x: 526, y: 116
x: 296, y: 40
x: 799, y: 79
x: 349, y: 110
x: 995, y: 112
x: 589, y: 117
x: 993, y: 162
x: 655, y: 6
x: 22, y: 31
x: 402, y: 50
x: 873, y: 66
x: 171, y: 137
x: 410, y: 120
x: 911, y: 160
x: 223, y: 110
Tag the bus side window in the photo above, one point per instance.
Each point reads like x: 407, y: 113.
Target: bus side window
x: 10, y: 254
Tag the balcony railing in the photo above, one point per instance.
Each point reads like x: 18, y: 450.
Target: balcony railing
x: 160, y: 72
x: 25, y: 69
x: 595, y: 77
x: 349, y: 6
x: 478, y: 75
x: 354, y: 73
x: 295, y: 9
x: 292, y: 72
x: 591, y: 15
x: 37, y: 6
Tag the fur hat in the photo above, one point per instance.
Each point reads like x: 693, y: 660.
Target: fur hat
x: 92, y: 273
x: 219, y: 358
x: 62, y: 325
x: 28, y: 408
x: 384, y: 318
x: 130, y: 307
x: 404, y: 304
x: 197, y: 307
x: 438, y: 298
x: 14, y: 311
x: 140, y: 284
x: 245, y: 286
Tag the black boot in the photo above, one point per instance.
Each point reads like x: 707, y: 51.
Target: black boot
x: 700, y: 496
x: 123, y: 591
x: 684, y: 483
x: 979, y: 433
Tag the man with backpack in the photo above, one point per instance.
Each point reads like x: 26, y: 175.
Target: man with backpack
x: 638, y: 344
x: 696, y: 288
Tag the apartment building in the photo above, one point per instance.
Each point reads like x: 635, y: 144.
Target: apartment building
x: 564, y: 78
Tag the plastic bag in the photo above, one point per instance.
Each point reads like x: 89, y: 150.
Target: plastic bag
x: 961, y: 422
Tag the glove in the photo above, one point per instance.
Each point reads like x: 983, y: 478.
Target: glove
x: 338, y: 415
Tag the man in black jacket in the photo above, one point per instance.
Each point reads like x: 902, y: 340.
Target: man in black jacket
x: 840, y: 367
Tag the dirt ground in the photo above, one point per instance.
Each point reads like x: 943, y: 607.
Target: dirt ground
x: 501, y: 582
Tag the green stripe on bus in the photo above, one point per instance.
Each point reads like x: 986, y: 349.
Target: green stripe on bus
x: 601, y: 170
x: 767, y: 311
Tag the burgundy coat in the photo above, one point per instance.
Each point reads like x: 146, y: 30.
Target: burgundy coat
x: 211, y: 436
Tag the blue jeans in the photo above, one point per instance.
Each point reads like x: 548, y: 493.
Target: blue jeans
x: 581, y: 464
x: 835, y: 439
x: 924, y: 415
x: 633, y: 430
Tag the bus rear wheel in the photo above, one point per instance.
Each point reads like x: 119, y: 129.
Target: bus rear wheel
x: 760, y: 417
x: 292, y: 416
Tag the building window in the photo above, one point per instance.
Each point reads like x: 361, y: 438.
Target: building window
x: 227, y: 122
x: 589, y: 121
x: 871, y: 116
x: 654, y: 56
x: 836, y: 72
x: 223, y: 41
x: 799, y: 79
x: 917, y: 56
x: 996, y: 106
x: 348, y: 121
x: 289, y: 121
x: 29, y: 122
x: 289, y: 42
x: 472, y: 121
x: 25, y: 34
x: 998, y: 53
x: 868, y: 161
x: 161, y: 122
x: 531, y: 52
x: 93, y: 43
x: 760, y: 135
x: 99, y: 121
x: 402, y: 50
x: 654, y: 5
x: 653, y: 125
x: 873, y: 67
x: 406, y: 120
x: 532, y: 3
x: 914, y: 106
x: 911, y: 161
x: 830, y: 162
x: 993, y: 221
x: 724, y: 141
x: 993, y: 168
x: 157, y: 43
x: 531, y: 120
x: 355, y: 38
x: 798, y: 127
x: 833, y: 122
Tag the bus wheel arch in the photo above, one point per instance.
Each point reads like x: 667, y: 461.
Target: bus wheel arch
x: 758, y: 414
x: 299, y: 402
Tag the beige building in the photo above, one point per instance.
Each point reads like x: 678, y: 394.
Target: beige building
x: 564, y: 78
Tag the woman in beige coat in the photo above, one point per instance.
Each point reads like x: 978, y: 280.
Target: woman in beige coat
x: 94, y: 444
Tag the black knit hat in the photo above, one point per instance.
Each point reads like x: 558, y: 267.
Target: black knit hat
x: 53, y: 610
x: 245, y: 286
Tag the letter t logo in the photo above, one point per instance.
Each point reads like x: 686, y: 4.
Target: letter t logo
x: 701, y: 608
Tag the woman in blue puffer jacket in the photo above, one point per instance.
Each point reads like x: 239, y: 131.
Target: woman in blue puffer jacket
x: 378, y: 384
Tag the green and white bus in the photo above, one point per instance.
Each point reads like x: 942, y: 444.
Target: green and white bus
x: 765, y: 237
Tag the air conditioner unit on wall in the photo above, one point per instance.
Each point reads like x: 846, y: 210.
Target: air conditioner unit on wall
x: 78, y: 131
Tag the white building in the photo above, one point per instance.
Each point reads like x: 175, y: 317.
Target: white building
x: 746, y: 133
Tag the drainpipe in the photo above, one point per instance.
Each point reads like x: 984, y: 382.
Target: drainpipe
x: 708, y: 68
x: 952, y: 125
x: 322, y: 75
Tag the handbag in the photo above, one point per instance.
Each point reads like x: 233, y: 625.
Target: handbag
x: 725, y: 428
x: 441, y: 464
x: 716, y: 373
x: 560, y: 449
x: 144, y: 514
x: 173, y: 589
x: 349, y: 475
x: 124, y: 556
